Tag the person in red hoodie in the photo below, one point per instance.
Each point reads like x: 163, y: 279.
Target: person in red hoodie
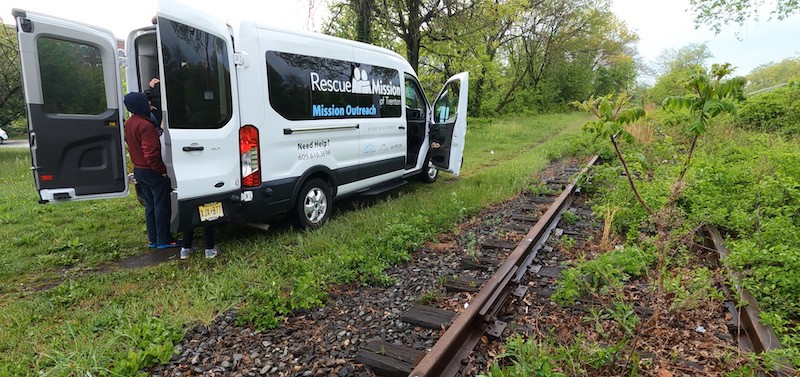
x: 149, y: 170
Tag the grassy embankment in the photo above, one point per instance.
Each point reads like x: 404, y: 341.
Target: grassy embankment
x: 746, y: 183
x: 117, y: 321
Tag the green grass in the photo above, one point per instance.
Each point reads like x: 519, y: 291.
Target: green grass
x: 122, y: 320
x: 36, y: 238
x: 746, y: 183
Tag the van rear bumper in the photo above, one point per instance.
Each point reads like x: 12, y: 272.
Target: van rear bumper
x: 185, y: 214
x: 270, y: 200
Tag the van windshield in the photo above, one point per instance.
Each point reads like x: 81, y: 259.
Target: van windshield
x: 197, y: 79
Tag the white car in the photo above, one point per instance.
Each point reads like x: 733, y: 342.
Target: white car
x: 3, y: 136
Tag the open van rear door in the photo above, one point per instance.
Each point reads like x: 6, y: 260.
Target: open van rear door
x: 449, y: 125
x: 201, y: 115
x: 73, y: 95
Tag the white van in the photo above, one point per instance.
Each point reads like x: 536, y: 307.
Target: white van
x: 259, y: 121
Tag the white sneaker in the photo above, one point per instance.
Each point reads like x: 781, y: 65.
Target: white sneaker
x: 185, y: 252
x: 211, y: 253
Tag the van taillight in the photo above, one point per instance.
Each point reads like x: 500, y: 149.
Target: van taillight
x: 249, y: 151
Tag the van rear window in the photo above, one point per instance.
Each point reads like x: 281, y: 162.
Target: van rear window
x: 308, y: 87
x: 72, y: 77
x: 197, y: 78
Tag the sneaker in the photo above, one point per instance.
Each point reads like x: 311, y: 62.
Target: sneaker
x: 185, y: 252
x: 170, y: 245
x: 211, y: 253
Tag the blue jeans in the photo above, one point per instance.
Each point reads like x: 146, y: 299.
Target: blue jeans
x: 208, y: 237
x: 154, y: 189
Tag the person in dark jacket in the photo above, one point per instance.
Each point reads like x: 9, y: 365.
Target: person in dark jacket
x: 149, y: 170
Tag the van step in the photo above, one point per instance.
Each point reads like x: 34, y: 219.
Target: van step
x: 388, y: 186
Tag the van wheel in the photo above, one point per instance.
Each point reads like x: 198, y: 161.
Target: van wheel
x: 429, y: 172
x: 314, y: 204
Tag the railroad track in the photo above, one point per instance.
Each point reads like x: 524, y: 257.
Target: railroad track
x: 484, y: 316
x: 449, y: 355
x: 470, y: 289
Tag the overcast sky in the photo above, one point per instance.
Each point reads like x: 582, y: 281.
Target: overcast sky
x: 667, y: 24
x: 661, y: 24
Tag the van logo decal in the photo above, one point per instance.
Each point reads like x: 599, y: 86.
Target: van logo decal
x: 358, y: 84
x: 303, y: 87
x: 361, y: 83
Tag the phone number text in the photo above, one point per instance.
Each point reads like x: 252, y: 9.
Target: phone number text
x: 313, y: 155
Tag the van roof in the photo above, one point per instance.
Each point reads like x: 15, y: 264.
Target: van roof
x: 329, y: 38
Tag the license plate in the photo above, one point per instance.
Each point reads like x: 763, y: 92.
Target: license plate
x: 210, y: 211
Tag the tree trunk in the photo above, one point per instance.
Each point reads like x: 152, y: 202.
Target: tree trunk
x: 364, y: 14
x: 412, y: 36
x: 630, y: 178
x: 412, y: 50
x: 679, y: 183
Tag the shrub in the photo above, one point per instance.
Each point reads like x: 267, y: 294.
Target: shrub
x: 610, y: 269
x: 776, y: 111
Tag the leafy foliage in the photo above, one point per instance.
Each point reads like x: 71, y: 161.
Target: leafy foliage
x: 546, y: 359
x: 152, y: 342
x: 672, y: 67
x: 750, y: 187
x: 612, y: 114
x: 776, y: 111
x: 772, y: 74
x: 525, y: 358
x: 717, y: 13
x: 12, y: 106
x: 709, y: 96
x: 607, y: 270
x: 522, y: 57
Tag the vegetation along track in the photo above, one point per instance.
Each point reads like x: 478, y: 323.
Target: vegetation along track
x: 473, y: 288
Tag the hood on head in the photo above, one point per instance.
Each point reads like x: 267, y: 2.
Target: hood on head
x: 137, y: 104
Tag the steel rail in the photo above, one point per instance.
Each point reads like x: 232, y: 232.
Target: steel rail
x: 446, y: 356
x: 761, y: 337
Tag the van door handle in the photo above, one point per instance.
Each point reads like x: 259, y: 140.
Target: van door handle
x: 402, y: 127
x: 192, y: 149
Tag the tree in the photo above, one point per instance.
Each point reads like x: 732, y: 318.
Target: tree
x: 352, y: 19
x: 673, y: 66
x: 470, y: 41
x: 716, y: 13
x: 560, y: 47
x: 613, y: 114
x: 772, y: 74
x: 12, y: 104
x: 619, y: 76
x: 709, y: 96
x: 409, y: 20
x: 522, y: 55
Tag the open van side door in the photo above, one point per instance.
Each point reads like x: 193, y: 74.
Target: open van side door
x: 73, y: 95
x: 449, y: 124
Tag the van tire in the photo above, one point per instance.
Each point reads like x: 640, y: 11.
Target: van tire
x: 429, y: 173
x: 314, y: 204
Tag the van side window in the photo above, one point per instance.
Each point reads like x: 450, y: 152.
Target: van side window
x: 446, y: 106
x: 72, y: 77
x: 197, y: 77
x: 303, y: 87
x: 415, y: 101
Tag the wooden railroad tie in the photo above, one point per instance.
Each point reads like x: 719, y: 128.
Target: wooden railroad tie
x: 428, y: 317
x: 387, y: 359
